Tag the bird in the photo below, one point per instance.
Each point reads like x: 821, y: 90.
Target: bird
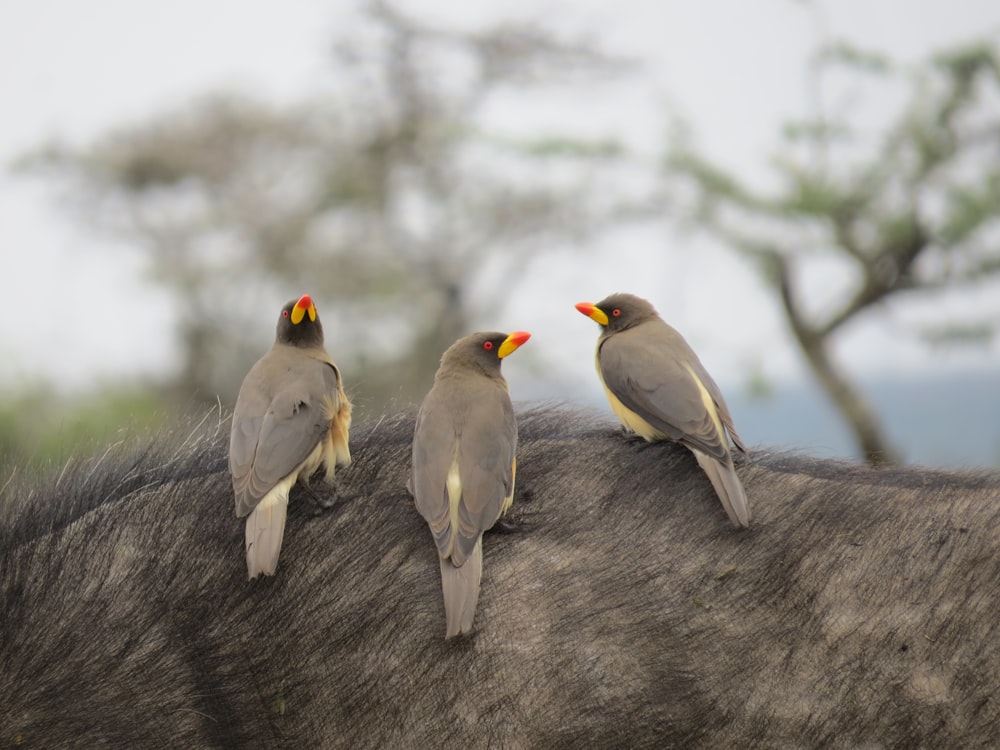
x: 659, y: 389
x: 464, y: 463
x: 291, y: 418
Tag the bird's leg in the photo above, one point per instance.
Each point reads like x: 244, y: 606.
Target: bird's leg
x: 638, y: 441
x: 320, y: 504
x: 740, y: 458
x: 506, y: 526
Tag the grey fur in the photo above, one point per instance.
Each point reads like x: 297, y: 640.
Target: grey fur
x: 860, y: 609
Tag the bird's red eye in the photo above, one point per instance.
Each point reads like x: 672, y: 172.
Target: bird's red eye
x: 488, y: 345
x: 284, y: 313
x: 616, y: 312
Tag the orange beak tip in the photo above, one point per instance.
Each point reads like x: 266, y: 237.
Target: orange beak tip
x: 593, y: 312
x: 512, y: 343
x: 302, y: 308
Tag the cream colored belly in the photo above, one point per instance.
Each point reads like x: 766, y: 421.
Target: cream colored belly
x: 632, y: 420
x: 629, y: 418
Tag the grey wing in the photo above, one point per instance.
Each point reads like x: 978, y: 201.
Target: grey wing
x: 271, y: 437
x: 486, y: 464
x: 485, y: 455
x: 720, y: 403
x: 248, y: 416
x: 434, y: 443
x: 648, y: 375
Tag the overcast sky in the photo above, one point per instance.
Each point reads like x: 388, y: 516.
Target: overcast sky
x: 71, y: 70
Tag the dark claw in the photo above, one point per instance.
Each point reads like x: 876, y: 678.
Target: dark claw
x: 741, y: 459
x: 506, y: 526
x: 320, y: 504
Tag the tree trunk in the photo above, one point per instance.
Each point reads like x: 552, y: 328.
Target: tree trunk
x: 871, y: 440
x: 874, y: 446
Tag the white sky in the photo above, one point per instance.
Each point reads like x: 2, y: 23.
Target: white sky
x: 736, y: 69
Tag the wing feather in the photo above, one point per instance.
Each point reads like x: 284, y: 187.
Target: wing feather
x: 276, y: 425
x: 654, y: 373
x: 470, y: 426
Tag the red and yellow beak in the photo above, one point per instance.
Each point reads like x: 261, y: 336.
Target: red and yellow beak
x: 593, y: 312
x: 510, y: 344
x: 303, y: 306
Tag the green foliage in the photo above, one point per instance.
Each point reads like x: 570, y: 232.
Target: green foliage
x: 812, y: 195
x: 40, y: 429
x: 976, y: 334
x: 880, y: 205
x: 851, y: 56
x: 813, y: 131
x: 387, y: 197
x: 969, y: 208
x: 926, y: 186
x: 716, y: 185
x: 572, y: 147
x: 967, y: 61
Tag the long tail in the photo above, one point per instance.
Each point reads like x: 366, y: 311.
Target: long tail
x: 461, y: 591
x: 728, y: 487
x: 265, y: 531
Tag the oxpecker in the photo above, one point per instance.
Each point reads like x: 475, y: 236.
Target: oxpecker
x: 464, y: 463
x: 291, y: 418
x: 658, y: 388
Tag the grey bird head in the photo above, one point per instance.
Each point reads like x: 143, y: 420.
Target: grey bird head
x: 618, y: 312
x: 482, y: 351
x: 299, y: 325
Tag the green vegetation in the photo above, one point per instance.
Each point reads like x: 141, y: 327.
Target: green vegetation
x: 40, y: 429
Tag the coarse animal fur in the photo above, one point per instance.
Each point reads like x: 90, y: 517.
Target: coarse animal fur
x: 620, y: 609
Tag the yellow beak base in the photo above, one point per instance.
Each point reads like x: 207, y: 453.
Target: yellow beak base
x: 303, y: 306
x: 512, y: 342
x: 593, y: 312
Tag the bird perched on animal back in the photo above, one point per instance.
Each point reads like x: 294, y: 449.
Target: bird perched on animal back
x: 658, y: 387
x: 462, y: 477
x: 291, y: 417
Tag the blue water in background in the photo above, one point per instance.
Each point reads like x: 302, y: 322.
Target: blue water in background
x: 948, y: 421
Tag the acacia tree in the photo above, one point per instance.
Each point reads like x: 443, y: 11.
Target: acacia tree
x: 910, y: 213
x: 387, y: 196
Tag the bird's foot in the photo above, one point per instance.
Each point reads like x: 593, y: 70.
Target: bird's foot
x: 639, y: 442
x: 321, y: 504
x: 506, y: 526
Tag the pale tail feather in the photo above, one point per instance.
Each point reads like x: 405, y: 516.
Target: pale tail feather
x: 340, y: 431
x: 265, y: 530
x: 461, y: 591
x: 728, y: 487
x: 336, y: 450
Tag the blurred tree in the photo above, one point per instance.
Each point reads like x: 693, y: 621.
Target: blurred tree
x: 41, y: 429
x: 385, y: 197
x: 910, y: 211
